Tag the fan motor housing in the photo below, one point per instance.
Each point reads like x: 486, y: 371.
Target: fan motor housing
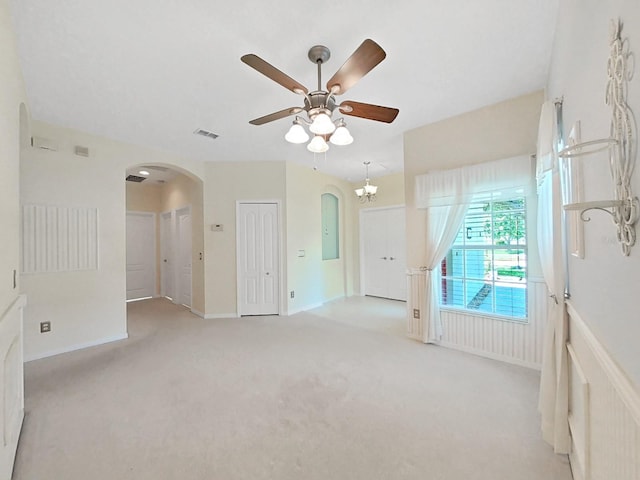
x: 319, y: 102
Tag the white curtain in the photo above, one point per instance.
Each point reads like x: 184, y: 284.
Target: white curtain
x: 446, y: 195
x: 443, y: 224
x: 554, y: 386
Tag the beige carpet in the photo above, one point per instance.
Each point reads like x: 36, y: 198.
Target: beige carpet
x: 336, y: 393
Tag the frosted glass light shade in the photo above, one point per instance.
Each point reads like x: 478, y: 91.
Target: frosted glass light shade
x: 317, y: 145
x: 359, y: 192
x: 370, y: 189
x: 322, y: 125
x: 296, y: 134
x: 341, y: 136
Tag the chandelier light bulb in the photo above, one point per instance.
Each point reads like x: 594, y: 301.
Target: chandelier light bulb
x: 341, y: 136
x: 296, y: 134
x: 368, y: 192
x: 370, y: 189
x: 322, y: 125
x: 317, y: 145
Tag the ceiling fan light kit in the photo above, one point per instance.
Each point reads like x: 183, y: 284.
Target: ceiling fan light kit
x: 296, y: 134
x: 320, y: 104
x: 318, y: 145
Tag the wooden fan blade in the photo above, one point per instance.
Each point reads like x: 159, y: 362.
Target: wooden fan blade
x: 368, y: 111
x: 276, y: 116
x: 273, y: 73
x: 367, y: 55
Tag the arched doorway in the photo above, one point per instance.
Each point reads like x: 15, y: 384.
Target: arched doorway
x: 165, y: 235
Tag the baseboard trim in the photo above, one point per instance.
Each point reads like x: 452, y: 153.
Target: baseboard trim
x: 307, y: 307
x: 213, y: 316
x: 79, y: 346
x: 492, y: 356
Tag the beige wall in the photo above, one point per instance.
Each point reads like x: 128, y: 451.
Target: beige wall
x: 504, y: 130
x: 315, y: 280
x: 143, y: 198
x: 605, y: 284
x: 12, y: 96
x: 226, y: 183
x: 89, y: 306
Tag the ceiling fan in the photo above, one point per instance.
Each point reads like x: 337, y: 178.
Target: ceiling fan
x: 320, y: 104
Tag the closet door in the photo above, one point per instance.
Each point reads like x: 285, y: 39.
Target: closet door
x: 384, y: 253
x: 258, y: 259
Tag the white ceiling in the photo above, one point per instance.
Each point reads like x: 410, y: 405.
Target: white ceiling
x: 150, y: 72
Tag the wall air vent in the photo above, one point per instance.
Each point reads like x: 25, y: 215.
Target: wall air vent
x: 206, y: 133
x: 81, y: 151
x: 44, y: 143
x: 135, y: 178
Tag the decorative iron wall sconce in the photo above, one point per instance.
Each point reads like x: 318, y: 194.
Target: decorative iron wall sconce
x: 621, y: 145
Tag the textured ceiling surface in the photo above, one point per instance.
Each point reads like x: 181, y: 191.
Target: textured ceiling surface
x: 151, y: 72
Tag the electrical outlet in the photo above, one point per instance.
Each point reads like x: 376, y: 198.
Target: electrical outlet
x: 293, y: 294
x: 416, y: 313
x: 45, y: 327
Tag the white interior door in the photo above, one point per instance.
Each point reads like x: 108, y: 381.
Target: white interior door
x: 258, y: 259
x: 397, y: 251
x: 384, y: 253
x: 184, y: 256
x: 375, y: 254
x: 141, y: 255
x: 166, y: 256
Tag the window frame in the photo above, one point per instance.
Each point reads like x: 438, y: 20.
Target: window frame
x: 493, y: 247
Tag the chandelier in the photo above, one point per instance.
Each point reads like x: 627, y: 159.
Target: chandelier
x: 368, y: 192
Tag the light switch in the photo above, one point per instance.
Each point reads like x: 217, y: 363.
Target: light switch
x: 217, y: 227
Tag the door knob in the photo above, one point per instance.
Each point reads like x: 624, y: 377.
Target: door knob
x: 391, y: 258
x: 267, y: 273
x: 383, y: 258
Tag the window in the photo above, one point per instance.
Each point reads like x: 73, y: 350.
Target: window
x: 486, y: 268
x: 330, y: 233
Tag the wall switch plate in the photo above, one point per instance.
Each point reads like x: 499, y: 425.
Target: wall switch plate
x: 45, y: 327
x: 293, y: 294
x: 217, y: 227
x: 416, y: 313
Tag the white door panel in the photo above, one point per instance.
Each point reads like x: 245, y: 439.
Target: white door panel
x: 141, y: 255
x: 258, y: 258
x: 384, y: 253
x: 166, y: 255
x: 184, y: 257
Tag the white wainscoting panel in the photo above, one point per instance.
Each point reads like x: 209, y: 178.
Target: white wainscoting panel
x: 514, y: 342
x: 59, y: 239
x: 605, y: 423
x: 11, y: 379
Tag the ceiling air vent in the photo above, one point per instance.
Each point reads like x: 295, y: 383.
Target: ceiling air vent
x: 135, y: 178
x: 206, y: 133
